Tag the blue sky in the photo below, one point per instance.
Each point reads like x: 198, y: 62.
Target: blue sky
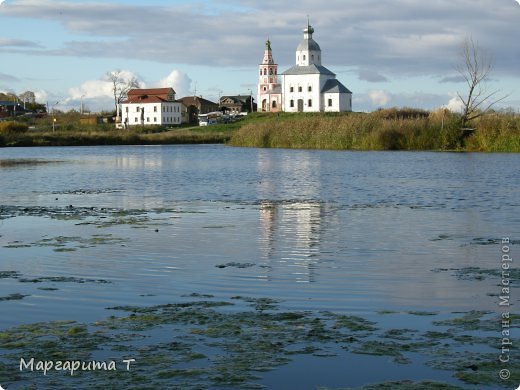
x: 389, y: 53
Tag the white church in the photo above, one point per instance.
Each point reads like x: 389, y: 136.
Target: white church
x: 306, y: 87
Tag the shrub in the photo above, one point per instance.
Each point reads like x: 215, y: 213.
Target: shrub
x: 391, y: 140
x: 12, y: 127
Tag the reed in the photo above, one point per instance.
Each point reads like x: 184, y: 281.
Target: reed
x: 497, y: 132
x: 392, y: 129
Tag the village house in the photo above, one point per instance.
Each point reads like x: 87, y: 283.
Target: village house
x: 10, y: 109
x: 193, y: 106
x: 234, y: 105
x: 308, y: 86
x: 145, y: 107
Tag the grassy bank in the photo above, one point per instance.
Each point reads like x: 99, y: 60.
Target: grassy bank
x: 104, y: 135
x: 390, y: 129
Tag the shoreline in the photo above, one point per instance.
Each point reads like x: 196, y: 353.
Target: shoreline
x: 390, y: 129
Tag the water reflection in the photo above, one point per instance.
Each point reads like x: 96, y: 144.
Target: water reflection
x: 291, y: 238
x: 365, y: 228
x: 290, y: 230
x: 150, y: 161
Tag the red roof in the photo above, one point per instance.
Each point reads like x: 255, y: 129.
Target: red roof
x: 151, y: 91
x: 145, y: 99
x: 151, y: 95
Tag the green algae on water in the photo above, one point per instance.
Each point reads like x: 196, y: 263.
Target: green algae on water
x: 206, y: 343
x: 13, y: 297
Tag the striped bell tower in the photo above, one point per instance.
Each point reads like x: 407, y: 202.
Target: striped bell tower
x: 269, y: 97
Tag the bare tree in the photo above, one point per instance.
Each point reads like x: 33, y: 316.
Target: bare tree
x: 121, y: 86
x: 475, y: 68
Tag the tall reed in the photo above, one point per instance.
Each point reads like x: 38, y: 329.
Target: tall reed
x: 392, y: 129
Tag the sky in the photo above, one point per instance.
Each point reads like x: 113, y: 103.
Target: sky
x: 392, y: 53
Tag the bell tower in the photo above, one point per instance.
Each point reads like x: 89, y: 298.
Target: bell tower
x: 269, y: 89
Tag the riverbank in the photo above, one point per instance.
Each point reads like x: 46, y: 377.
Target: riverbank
x: 391, y: 129
x: 102, y: 136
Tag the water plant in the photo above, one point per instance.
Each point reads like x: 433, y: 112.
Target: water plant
x: 208, y: 343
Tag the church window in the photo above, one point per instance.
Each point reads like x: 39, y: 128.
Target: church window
x: 291, y: 89
x: 148, y: 119
x: 260, y: 72
x: 265, y: 89
x: 155, y: 119
x: 274, y: 103
x: 310, y: 103
x: 300, y: 89
x: 137, y: 109
x: 309, y: 88
x: 291, y: 103
x: 154, y: 108
x: 271, y: 71
x: 304, y: 57
x: 330, y: 102
x: 265, y: 72
x: 127, y: 110
x: 136, y: 120
x: 270, y: 79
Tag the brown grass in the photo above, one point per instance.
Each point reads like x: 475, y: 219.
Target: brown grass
x: 393, y: 129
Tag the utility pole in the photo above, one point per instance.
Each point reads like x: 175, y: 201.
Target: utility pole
x: 81, y: 107
x: 53, y: 117
x: 251, y: 99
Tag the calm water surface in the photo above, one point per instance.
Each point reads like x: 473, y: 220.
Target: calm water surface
x: 350, y: 232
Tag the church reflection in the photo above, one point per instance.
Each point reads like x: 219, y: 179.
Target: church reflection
x: 290, y: 238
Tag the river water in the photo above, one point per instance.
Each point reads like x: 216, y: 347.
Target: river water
x: 348, y: 232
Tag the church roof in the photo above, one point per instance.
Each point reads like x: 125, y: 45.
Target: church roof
x: 334, y: 86
x: 309, y: 69
x: 308, y: 45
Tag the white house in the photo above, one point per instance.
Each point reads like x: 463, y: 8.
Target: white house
x: 307, y: 86
x: 145, y: 107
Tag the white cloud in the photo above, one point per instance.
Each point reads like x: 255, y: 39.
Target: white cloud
x: 98, y: 95
x: 177, y: 80
x: 41, y: 96
x: 455, y: 104
x: 379, y: 97
x: 101, y: 88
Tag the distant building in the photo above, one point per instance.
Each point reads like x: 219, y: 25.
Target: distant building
x: 11, y: 108
x: 145, y: 107
x: 195, y: 105
x: 234, y: 105
x: 306, y: 87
